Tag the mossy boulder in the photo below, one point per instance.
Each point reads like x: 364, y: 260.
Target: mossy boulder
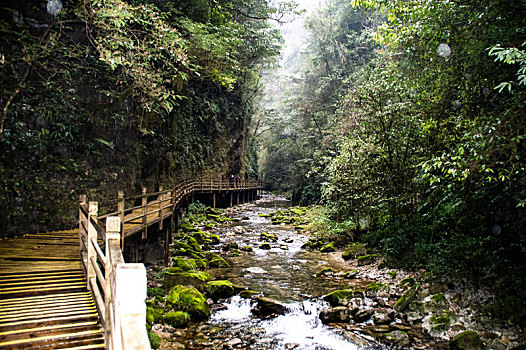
x: 351, y: 274
x: 215, y: 239
x: 347, y: 255
x: 155, y: 340
x: 220, y: 289
x: 149, y: 316
x: 189, y: 299
x: 217, y: 261
x: 335, y: 298
x: 468, y: 340
x: 177, y: 319
x: 194, y: 245
x: 407, y: 297
x: 155, y: 291
x: 265, y: 246
x: 247, y: 294
x: 188, y: 264
x: 440, y: 321
x: 373, y: 289
x: 368, y: 259
x: 268, y: 237
x: 196, y: 279
x: 328, y: 248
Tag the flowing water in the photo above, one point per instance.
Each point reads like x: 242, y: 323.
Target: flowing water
x: 286, y: 273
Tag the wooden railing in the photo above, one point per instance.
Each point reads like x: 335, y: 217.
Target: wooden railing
x: 119, y: 288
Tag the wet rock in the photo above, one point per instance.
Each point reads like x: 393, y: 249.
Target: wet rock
x: 290, y: 346
x: 335, y: 315
x: 351, y: 274
x: 362, y: 315
x: 247, y: 294
x: 265, y: 246
x: 468, y: 340
x: 247, y: 248
x: 268, y: 306
x: 399, y: 338
x: 381, y: 318
x: 355, y: 304
x: 236, y: 342
x: 288, y: 240
x: 256, y: 270
x: 218, y: 307
x: 335, y: 298
x: 283, y: 247
x: 328, y: 271
x: 268, y: 237
x: 231, y: 245
x: 409, y: 295
x: 373, y: 289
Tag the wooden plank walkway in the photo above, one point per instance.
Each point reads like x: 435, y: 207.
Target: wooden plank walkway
x: 44, y: 301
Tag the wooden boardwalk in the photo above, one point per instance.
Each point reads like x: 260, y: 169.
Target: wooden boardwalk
x: 44, y: 300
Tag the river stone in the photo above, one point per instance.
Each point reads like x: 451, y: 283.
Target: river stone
x: 468, y: 340
x: 265, y: 246
x: 190, y: 300
x: 256, y: 270
x: 220, y: 289
x: 335, y: 315
x: 196, y: 279
x: 381, y: 318
x: 398, y: 337
x: 336, y: 297
x: 362, y: 315
x: 268, y: 306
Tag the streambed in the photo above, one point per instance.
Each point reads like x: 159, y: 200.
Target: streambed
x: 285, y: 272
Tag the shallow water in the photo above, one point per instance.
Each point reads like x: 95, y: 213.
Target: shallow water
x: 285, y: 272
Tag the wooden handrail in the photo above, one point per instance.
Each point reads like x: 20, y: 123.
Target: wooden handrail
x: 119, y: 288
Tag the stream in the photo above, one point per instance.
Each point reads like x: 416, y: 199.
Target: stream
x: 286, y: 273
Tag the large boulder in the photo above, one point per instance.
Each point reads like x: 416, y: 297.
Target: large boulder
x: 468, y: 340
x: 267, y: 306
x: 196, y: 279
x: 338, y: 297
x: 177, y: 319
x: 189, y: 299
x: 335, y: 315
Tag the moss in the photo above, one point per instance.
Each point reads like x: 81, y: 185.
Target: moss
x: 328, y: 248
x: 155, y: 291
x: 358, y: 293
x: 392, y: 274
x: 218, y: 261
x: 196, y: 279
x: 149, y: 316
x: 188, y: 264
x: 335, y: 297
x: 409, y: 295
x: 325, y: 271
x: 215, y: 218
x: 441, y: 320
x: 467, y: 340
x: 268, y: 237
x: 347, y: 255
x: 199, y: 236
x: 177, y: 319
x: 246, y: 248
x: 192, y: 242
x: 220, y: 289
x: 374, y: 287
x: 155, y: 340
x: 350, y: 274
x: 438, y: 298
x: 189, y: 299
x: 158, y: 315
x: 215, y: 239
x: 368, y: 259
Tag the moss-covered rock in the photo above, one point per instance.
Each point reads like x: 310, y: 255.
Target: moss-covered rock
x: 328, y: 248
x: 220, y: 289
x: 268, y: 306
x: 440, y: 321
x: 155, y: 291
x: 408, y: 281
x: 189, y: 299
x: 468, y: 340
x: 409, y: 295
x: 325, y: 272
x: 368, y: 259
x: 246, y: 248
x: 268, y: 237
x: 194, y: 245
x: 215, y: 239
x: 335, y: 298
x: 217, y: 261
x: 197, y: 279
x: 188, y: 264
x: 372, y: 289
x: 265, y: 246
x: 347, y: 255
x: 350, y: 274
x: 177, y: 319
x: 155, y: 340
x: 149, y: 316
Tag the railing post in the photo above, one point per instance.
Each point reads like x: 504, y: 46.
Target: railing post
x: 120, y: 195
x: 82, y: 222
x: 161, y: 198
x: 93, y: 208
x: 144, y: 203
x: 113, y: 239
